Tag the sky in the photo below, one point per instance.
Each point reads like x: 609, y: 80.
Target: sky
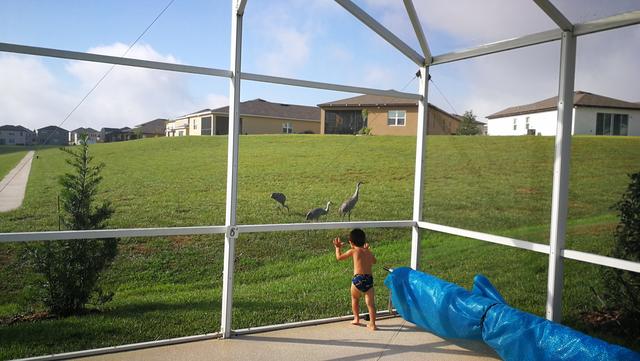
x: 305, y: 39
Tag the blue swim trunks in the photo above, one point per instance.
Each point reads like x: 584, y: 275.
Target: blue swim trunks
x: 362, y: 282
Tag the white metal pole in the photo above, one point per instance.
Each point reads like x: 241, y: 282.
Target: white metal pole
x: 421, y: 145
x: 559, y: 202
x: 232, y: 172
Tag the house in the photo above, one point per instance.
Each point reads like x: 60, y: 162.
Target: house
x: 593, y: 114
x: 257, y: 116
x: 16, y: 135
x: 151, y: 129
x: 92, y: 135
x: 53, y: 135
x: 108, y: 135
x: 384, y: 116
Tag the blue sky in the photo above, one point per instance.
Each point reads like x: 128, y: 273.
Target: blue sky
x: 310, y: 39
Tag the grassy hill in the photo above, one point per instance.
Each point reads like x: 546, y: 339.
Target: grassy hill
x: 171, y: 286
x: 9, y: 158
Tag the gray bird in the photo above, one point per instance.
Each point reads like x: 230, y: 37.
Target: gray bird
x: 315, y: 214
x: 280, y: 198
x: 347, y: 206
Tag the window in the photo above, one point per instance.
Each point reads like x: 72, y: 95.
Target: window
x: 396, y: 117
x: 195, y: 125
x: 527, y: 123
x: 612, y: 124
x: 287, y: 128
x: 515, y: 123
x: 180, y: 133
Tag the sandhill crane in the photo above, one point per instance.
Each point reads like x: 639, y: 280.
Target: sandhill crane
x: 280, y: 198
x: 348, y: 205
x: 315, y: 214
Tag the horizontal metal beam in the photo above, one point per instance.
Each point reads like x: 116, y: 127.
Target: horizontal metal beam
x: 601, y: 260
x: 250, y: 330
x: 511, y: 242
x: 123, y: 348
x: 608, y: 23
x: 109, y: 233
x: 148, y: 64
x: 183, y: 231
x: 382, y: 31
x: 326, y: 86
x: 74, y: 55
x: 417, y: 28
x: 555, y: 14
x: 515, y: 43
x: 288, y: 227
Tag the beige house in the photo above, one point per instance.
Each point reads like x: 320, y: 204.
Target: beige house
x: 385, y: 116
x: 257, y: 116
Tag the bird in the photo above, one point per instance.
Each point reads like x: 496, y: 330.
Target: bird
x: 347, y: 206
x: 280, y: 198
x: 314, y: 214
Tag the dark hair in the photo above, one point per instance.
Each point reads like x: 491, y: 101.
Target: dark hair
x: 357, y: 237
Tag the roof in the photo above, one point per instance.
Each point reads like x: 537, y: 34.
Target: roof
x: 52, y: 127
x: 15, y: 128
x: 376, y: 101
x: 370, y: 101
x: 262, y: 108
x: 153, y: 122
x: 86, y: 130
x: 581, y: 98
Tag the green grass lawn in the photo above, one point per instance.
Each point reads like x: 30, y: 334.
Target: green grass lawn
x: 171, y: 286
x: 9, y: 158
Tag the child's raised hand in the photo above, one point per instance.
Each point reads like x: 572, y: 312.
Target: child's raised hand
x: 337, y: 243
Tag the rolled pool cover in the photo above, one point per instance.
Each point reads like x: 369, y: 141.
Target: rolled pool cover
x: 451, y: 311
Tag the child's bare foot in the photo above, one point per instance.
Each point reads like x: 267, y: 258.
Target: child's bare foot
x: 355, y: 322
x: 372, y: 326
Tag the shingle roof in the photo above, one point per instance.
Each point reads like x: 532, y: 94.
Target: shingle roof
x: 87, y: 130
x: 369, y: 101
x: 263, y: 108
x: 53, y: 127
x: 153, y: 122
x: 15, y: 128
x: 581, y: 98
x: 376, y: 101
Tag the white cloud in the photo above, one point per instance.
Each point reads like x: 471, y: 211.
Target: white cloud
x: 284, y: 47
x: 30, y: 95
x: 35, y: 95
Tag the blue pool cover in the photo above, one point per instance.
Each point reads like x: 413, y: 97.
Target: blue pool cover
x: 451, y: 311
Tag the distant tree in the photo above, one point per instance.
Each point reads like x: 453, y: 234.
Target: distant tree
x: 622, y: 288
x: 468, y: 125
x: 71, y: 268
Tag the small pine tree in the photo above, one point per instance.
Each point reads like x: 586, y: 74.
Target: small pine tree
x: 468, y: 125
x: 71, y: 268
x: 622, y: 288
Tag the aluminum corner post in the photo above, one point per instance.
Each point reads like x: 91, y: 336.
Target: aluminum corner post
x: 232, y: 173
x: 421, y: 146
x: 560, y: 195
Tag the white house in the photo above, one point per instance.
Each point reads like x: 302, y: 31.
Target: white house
x: 592, y: 115
x: 92, y: 135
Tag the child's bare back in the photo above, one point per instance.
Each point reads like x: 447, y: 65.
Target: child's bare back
x: 362, y: 282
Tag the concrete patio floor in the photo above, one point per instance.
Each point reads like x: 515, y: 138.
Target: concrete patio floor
x: 395, y: 340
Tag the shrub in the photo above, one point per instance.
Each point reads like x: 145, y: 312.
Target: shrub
x: 468, y: 124
x: 622, y: 288
x: 70, y: 269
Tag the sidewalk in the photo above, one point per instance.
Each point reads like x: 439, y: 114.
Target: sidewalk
x: 14, y: 184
